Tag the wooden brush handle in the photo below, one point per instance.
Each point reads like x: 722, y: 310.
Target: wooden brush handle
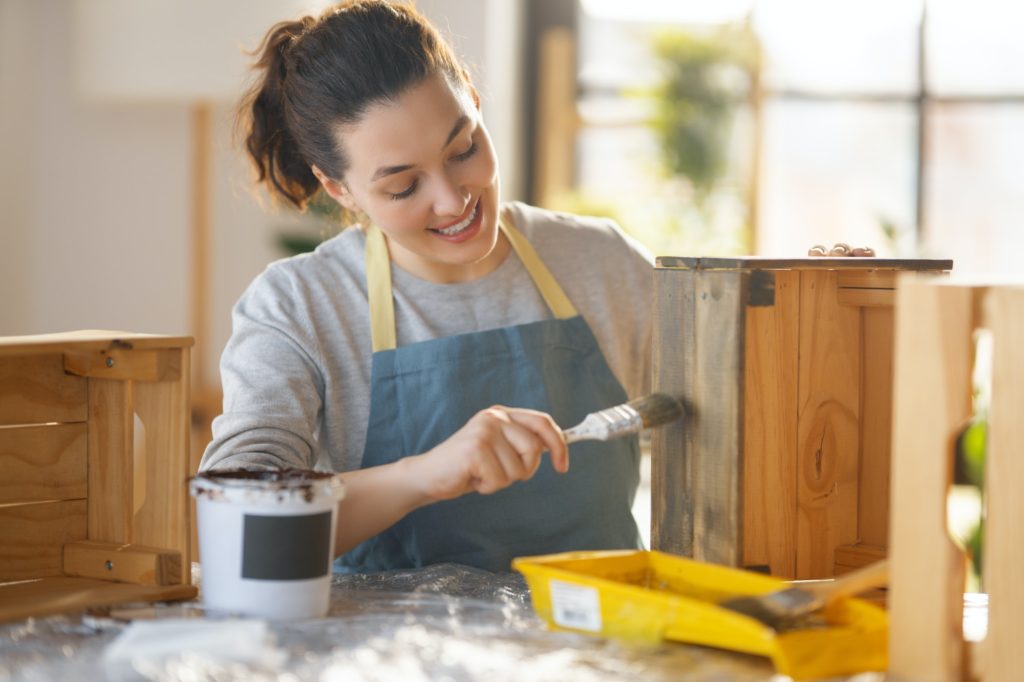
x: 849, y: 584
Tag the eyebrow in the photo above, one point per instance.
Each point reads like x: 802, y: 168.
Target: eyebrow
x: 384, y: 171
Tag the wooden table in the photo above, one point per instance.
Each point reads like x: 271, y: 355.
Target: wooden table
x: 442, y: 622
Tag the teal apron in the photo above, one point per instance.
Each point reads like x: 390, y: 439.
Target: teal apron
x: 423, y: 393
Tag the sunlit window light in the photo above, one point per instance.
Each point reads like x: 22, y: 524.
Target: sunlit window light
x: 676, y: 11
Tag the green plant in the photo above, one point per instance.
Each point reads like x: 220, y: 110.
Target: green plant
x: 327, y: 218
x: 704, y: 78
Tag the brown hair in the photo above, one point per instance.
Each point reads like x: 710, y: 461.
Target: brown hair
x: 319, y: 72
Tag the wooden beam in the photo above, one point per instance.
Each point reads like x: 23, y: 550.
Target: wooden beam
x: 828, y: 433
x: 111, y: 466
x: 717, y: 468
x: 123, y: 563
x: 1004, y: 481
x: 931, y: 403
x: 116, y: 363
x: 36, y: 390
x: 672, y: 445
x: 769, y: 434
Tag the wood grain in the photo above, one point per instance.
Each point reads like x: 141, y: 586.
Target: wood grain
x: 87, y: 339
x: 63, y: 595
x: 117, y: 363
x: 828, y: 417
x: 672, y: 446
x: 867, y: 279
x: 717, y: 456
x: 42, y: 463
x: 35, y: 390
x: 123, y: 563
x: 878, y: 298
x: 875, y: 425
x: 163, y: 407
x: 931, y: 402
x: 1004, y: 480
x: 827, y: 263
x: 32, y: 535
x: 769, y: 432
x: 850, y: 557
x: 111, y: 464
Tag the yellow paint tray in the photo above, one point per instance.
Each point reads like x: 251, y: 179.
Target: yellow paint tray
x: 652, y: 596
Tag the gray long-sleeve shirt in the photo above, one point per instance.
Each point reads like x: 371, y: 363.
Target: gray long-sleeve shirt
x: 296, y: 371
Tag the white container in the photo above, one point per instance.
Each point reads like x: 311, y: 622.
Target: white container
x: 266, y: 541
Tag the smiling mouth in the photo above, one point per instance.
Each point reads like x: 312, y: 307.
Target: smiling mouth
x: 460, y: 226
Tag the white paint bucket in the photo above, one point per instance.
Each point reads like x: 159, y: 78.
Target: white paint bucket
x: 266, y: 541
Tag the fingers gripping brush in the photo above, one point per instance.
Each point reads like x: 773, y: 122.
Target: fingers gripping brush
x: 643, y: 413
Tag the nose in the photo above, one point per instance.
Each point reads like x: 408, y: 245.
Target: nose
x: 452, y: 197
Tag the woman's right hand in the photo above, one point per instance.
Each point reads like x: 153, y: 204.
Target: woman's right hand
x: 497, y: 447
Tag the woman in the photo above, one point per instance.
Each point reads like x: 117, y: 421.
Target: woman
x: 432, y: 353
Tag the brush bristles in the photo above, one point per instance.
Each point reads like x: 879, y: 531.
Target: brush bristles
x: 657, y: 409
x: 783, y: 610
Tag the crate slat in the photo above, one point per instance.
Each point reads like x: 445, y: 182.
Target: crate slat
x: 111, y: 460
x: 828, y: 418
x: 123, y: 563
x: 41, y: 463
x: 769, y: 436
x: 35, y: 390
x: 32, y: 537
x: 875, y: 426
x: 673, y: 365
x: 932, y: 401
x: 59, y: 595
x: 721, y: 299
x: 1004, y: 478
x: 162, y: 513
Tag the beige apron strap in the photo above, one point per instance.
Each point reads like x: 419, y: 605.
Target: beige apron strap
x: 560, y: 305
x: 382, y: 305
x: 378, y: 286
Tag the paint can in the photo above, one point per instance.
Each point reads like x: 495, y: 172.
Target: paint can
x: 266, y: 541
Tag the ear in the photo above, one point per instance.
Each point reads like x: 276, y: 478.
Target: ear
x: 336, y: 190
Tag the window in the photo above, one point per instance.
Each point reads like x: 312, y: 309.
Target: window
x: 889, y: 123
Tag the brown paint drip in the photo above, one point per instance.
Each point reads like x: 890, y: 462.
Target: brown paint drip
x: 269, y: 475
x: 301, y: 480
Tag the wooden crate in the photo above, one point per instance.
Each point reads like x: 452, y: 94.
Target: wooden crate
x: 787, y: 368
x: 934, y: 354
x: 94, y: 434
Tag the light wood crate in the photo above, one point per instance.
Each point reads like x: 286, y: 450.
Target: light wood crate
x: 94, y: 434
x: 786, y: 366
x: 935, y: 325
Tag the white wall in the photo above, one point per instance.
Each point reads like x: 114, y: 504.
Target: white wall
x: 94, y: 197
x: 16, y: 98
x: 486, y: 35
x: 92, y: 220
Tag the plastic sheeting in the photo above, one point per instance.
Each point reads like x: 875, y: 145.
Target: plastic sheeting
x: 445, y: 622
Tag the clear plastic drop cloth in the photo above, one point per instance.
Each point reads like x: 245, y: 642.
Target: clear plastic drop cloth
x: 447, y: 622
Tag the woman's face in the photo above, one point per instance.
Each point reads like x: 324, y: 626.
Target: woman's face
x: 423, y: 169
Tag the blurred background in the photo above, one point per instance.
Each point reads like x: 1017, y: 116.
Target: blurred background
x: 705, y: 127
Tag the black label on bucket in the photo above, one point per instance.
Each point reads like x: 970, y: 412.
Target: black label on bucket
x: 286, y: 547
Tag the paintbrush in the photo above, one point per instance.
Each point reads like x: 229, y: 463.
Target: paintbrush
x: 643, y: 413
x: 786, y: 609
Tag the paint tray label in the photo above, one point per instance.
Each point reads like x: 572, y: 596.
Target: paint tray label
x: 575, y: 606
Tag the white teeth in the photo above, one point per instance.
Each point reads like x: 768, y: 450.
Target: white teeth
x: 459, y: 227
